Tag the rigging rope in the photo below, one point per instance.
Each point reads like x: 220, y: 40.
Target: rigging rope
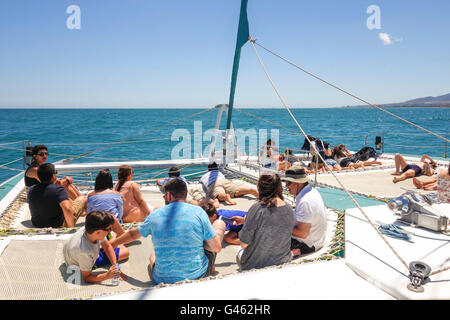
x: 253, y: 41
x: 141, y: 134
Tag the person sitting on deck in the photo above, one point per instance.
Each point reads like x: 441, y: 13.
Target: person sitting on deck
x: 441, y: 183
x: 265, y: 238
x: 174, y: 173
x: 216, y: 186
x: 426, y: 166
x: 310, y: 213
x: 104, y: 198
x: 135, y: 208
x: 232, y: 236
x: 39, y: 154
x: 89, y: 248
x: 181, y: 232
x: 195, y: 196
x: 49, y: 203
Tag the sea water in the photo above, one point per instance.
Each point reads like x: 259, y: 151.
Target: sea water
x: 146, y: 135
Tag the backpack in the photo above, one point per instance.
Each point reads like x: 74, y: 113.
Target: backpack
x: 365, y: 153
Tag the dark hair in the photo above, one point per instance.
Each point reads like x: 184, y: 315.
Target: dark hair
x: 177, y: 188
x: 209, y: 208
x: 98, y: 220
x: 38, y: 147
x: 174, y: 172
x: 269, y: 187
x: 34, y: 151
x: 122, y: 174
x: 103, y: 181
x: 213, y: 166
x: 339, y: 151
x: 45, y: 172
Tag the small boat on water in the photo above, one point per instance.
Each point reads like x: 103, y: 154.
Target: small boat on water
x: 384, y: 240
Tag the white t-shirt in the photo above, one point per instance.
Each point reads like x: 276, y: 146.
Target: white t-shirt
x: 311, y: 209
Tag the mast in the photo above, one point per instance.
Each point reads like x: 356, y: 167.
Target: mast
x: 242, y: 37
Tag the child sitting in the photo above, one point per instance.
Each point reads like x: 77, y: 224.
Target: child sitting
x: 83, y: 248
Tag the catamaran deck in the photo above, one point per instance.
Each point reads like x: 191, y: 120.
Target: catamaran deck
x: 32, y: 265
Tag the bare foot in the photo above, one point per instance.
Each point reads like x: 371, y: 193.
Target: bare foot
x: 396, y: 173
x: 395, y: 180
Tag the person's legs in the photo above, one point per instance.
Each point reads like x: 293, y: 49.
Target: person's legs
x: 407, y: 174
x: 231, y: 238
x: 369, y: 163
x: 243, y: 191
x: 400, y: 164
x: 417, y: 183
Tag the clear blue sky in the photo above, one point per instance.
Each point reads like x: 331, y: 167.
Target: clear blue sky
x: 179, y: 53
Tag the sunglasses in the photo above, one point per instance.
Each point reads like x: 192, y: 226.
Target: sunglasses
x: 108, y: 229
x: 41, y: 154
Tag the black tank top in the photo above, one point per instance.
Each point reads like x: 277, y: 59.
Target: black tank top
x: 31, y: 181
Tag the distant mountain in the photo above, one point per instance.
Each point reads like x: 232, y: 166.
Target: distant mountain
x: 443, y: 101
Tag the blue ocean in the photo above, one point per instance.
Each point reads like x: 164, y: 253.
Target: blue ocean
x: 152, y: 134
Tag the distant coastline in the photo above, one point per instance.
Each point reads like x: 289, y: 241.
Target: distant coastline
x: 402, y: 106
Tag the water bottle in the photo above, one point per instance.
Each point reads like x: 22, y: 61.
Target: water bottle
x: 116, y: 279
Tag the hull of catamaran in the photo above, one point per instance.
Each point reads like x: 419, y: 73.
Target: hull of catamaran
x: 355, y: 263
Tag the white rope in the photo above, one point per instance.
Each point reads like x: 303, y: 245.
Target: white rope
x: 141, y: 134
x: 326, y: 165
x: 348, y: 93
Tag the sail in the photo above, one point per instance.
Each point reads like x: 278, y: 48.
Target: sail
x: 242, y: 37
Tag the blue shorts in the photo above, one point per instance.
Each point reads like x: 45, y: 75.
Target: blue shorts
x: 103, y: 259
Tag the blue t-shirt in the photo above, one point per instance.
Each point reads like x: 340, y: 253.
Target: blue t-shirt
x: 229, y: 214
x: 111, y: 202
x: 178, y: 231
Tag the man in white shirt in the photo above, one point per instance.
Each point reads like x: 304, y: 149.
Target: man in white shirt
x: 216, y: 186
x: 310, y: 213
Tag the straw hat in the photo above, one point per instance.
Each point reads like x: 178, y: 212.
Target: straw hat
x: 296, y: 174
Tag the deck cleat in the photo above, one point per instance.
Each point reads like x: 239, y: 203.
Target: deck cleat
x: 418, y: 274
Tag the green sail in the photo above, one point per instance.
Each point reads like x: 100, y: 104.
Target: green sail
x: 242, y: 37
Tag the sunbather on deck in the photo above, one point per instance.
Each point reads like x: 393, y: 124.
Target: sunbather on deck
x: 426, y: 166
x: 346, y: 160
x: 218, y: 187
x: 441, y: 183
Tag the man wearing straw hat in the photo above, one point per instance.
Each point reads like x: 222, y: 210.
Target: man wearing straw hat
x: 310, y: 213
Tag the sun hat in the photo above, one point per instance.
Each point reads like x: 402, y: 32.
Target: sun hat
x: 296, y: 174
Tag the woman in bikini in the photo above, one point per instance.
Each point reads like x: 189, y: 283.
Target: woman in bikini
x: 135, y: 209
x: 403, y: 170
